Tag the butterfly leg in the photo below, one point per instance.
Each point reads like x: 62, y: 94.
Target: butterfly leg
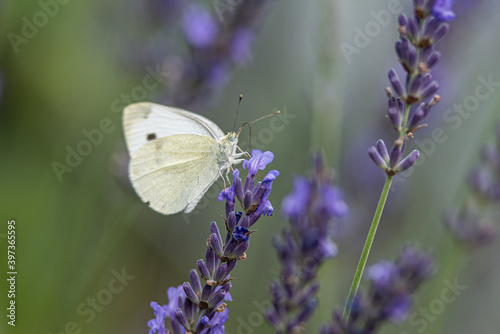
x: 237, y: 155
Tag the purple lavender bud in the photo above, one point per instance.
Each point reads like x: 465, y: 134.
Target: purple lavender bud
x: 415, y: 265
x: 227, y: 287
x: 442, y: 10
x: 214, y: 229
x: 215, y: 244
x: 203, y: 269
x: 395, y: 117
x: 383, y: 274
x: 425, y: 53
x: 440, y: 32
x: 229, y: 248
x: 216, y: 298
x: 274, y: 318
x: 382, y: 150
x: 376, y: 158
x: 418, y: 3
x: 398, y: 309
x: 396, y: 84
x: 417, y: 117
x: 433, y: 59
x: 276, y: 291
x: 245, y: 221
x: 405, y: 48
x: 415, y: 85
x: 211, y: 260
x: 402, y: 20
x: 429, y: 4
x: 413, y: 28
x: 195, y: 281
x: 429, y: 90
x: 230, y: 266
x: 426, y: 78
x: 240, y: 248
x: 480, y: 180
x: 295, y: 204
x: 238, y: 187
x: 399, y: 49
x: 190, y: 294
x: 411, y: 62
x: 396, y: 154
x: 205, y: 295
x: 327, y: 249
x: 408, y: 161
x: 190, y: 310
x: 220, y: 273
x: 309, y: 294
x: 305, y: 313
x: 247, y: 200
x: 231, y: 220
x: 430, y: 26
x: 181, y: 318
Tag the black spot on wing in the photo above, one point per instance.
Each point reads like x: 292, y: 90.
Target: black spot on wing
x: 151, y: 136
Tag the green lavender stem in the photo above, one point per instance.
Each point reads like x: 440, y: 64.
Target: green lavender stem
x: 366, y: 249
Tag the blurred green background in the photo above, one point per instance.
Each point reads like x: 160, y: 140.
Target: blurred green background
x: 75, y: 233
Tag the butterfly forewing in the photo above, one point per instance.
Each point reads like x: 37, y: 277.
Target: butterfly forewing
x: 173, y: 173
x: 144, y: 122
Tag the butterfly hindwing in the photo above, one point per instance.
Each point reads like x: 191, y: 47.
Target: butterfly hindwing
x: 172, y: 173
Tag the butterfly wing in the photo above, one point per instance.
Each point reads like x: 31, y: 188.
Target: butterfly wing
x: 173, y: 173
x: 144, y: 122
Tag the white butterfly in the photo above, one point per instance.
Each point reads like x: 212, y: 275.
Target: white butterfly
x: 176, y: 155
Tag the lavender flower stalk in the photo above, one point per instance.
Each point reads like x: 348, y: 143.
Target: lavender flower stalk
x: 390, y: 295
x: 196, y: 309
x: 409, y: 102
x: 473, y: 225
x: 217, y: 41
x: 304, y: 246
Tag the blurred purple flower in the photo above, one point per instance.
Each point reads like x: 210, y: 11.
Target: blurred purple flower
x: 241, y: 46
x: 442, y: 10
x: 199, y: 26
x: 473, y: 223
x: 157, y: 325
x: 389, y: 298
x: 304, y: 246
x: 295, y: 204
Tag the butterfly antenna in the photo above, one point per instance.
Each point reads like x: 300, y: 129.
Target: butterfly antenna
x: 266, y: 116
x: 237, y: 110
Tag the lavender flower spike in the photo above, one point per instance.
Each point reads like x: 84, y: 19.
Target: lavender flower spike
x: 202, y: 310
x: 473, y: 223
x: 304, y: 246
x: 407, y: 107
x: 390, y: 295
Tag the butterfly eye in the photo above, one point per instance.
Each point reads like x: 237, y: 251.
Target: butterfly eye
x: 231, y: 136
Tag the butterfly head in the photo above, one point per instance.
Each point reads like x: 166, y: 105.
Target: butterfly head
x: 232, y: 137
